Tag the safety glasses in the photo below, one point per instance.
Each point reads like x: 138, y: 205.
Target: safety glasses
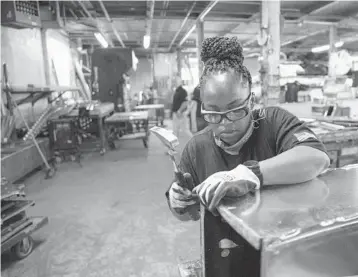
x: 232, y: 115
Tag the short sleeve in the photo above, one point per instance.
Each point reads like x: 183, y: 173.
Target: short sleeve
x: 187, y: 161
x: 289, y: 131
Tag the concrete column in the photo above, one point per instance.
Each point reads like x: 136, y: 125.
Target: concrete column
x: 332, y: 50
x: 199, y: 41
x: 45, y: 57
x: 271, y: 47
x: 179, y: 61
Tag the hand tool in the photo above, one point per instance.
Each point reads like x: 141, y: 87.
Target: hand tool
x: 171, y: 142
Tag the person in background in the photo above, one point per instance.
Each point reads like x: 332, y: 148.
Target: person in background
x: 180, y: 110
x: 197, y: 121
x: 243, y: 149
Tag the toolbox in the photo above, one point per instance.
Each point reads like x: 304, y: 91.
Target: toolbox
x: 309, y: 229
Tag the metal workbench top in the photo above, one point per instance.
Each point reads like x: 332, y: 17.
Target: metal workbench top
x: 279, y: 215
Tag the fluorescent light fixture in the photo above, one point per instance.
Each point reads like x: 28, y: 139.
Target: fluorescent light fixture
x: 324, y: 48
x: 101, y: 39
x: 146, y: 41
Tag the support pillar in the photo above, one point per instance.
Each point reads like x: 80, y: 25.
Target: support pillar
x: 271, y: 47
x: 45, y: 57
x: 332, y: 51
x: 199, y: 41
x: 179, y: 62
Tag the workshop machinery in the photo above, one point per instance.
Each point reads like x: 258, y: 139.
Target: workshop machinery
x: 16, y: 225
x: 127, y: 126
x: 110, y: 76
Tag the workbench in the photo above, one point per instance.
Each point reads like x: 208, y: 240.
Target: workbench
x: 340, y: 137
x: 98, y: 113
x: 22, y: 157
x: 127, y: 126
x: 308, y: 229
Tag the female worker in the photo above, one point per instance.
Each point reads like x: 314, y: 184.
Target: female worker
x: 283, y: 150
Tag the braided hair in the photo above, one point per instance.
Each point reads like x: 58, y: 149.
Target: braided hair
x: 221, y: 54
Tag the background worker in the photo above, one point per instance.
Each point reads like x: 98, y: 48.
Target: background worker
x: 283, y: 149
x: 197, y: 121
x: 180, y: 110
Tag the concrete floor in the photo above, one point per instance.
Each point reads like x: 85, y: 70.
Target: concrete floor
x: 108, y: 218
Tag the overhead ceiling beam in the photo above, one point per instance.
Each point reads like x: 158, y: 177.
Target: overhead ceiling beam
x: 110, y: 20
x: 325, y: 7
x: 200, y: 18
x: 232, y: 28
x: 89, y: 15
x: 304, y: 18
x: 287, y: 42
x: 182, y: 26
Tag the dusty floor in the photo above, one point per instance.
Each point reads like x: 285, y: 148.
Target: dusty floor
x: 108, y: 218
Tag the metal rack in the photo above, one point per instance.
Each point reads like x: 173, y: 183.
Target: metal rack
x: 16, y: 226
x: 12, y: 148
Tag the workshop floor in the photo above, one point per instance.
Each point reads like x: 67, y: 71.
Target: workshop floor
x: 108, y: 218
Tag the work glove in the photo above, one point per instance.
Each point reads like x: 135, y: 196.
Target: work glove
x: 234, y: 183
x: 180, y: 197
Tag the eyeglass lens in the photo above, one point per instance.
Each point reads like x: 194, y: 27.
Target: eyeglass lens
x: 232, y: 116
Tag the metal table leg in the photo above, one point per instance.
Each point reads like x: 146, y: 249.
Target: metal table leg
x: 101, y: 135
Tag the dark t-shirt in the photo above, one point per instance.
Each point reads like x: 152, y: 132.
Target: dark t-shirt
x: 278, y: 132
x: 180, y: 96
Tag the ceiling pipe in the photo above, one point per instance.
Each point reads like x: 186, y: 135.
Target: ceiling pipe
x: 148, y: 23
x: 110, y: 20
x: 182, y: 26
x: 200, y: 18
x: 149, y: 18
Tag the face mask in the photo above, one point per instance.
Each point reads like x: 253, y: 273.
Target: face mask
x: 235, y: 148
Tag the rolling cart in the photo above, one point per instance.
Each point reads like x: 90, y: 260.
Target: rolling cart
x: 155, y: 113
x: 127, y: 126
x: 16, y: 226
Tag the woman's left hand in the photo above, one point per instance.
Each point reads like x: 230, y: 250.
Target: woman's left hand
x: 234, y: 183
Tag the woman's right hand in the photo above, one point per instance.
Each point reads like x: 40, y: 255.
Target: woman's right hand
x: 180, y: 197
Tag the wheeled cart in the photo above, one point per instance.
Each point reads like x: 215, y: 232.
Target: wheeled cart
x: 155, y: 113
x: 309, y: 229
x: 16, y: 226
x: 127, y: 126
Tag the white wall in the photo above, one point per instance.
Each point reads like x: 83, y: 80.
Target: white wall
x: 21, y: 50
